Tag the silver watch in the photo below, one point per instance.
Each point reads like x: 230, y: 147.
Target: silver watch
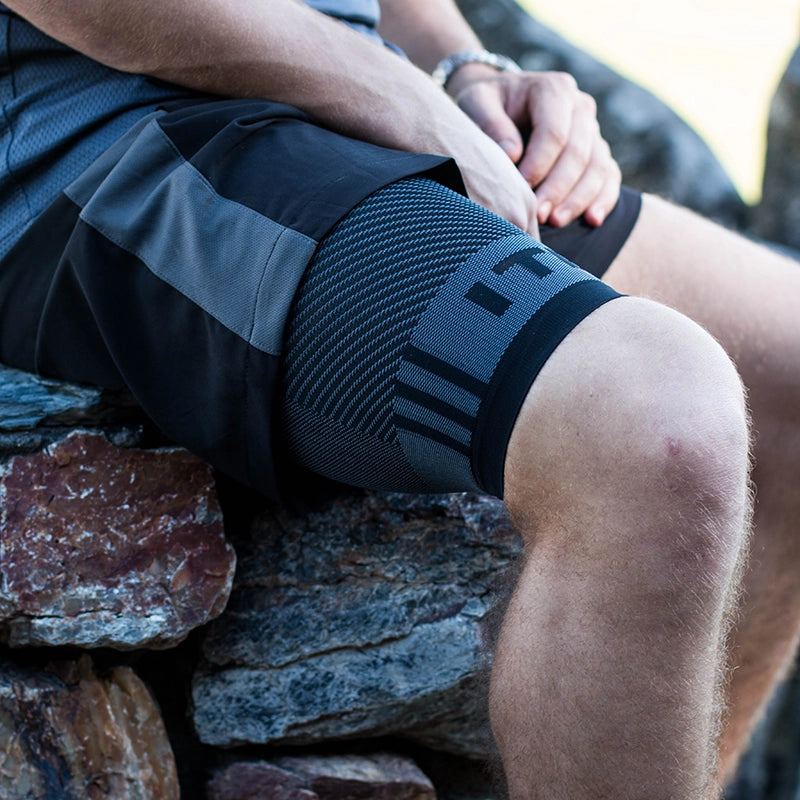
x: 447, y: 66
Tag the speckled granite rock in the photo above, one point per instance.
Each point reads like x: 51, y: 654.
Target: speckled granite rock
x: 380, y: 776
x: 67, y: 733
x: 107, y: 546
x: 364, y: 618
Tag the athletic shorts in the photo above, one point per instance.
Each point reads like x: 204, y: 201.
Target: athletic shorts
x: 278, y: 297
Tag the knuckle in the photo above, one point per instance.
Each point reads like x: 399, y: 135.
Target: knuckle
x: 588, y: 103
x: 558, y: 136
x: 611, y: 167
x: 564, y: 81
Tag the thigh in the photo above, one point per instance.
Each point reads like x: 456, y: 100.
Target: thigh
x: 415, y: 336
x: 745, y: 294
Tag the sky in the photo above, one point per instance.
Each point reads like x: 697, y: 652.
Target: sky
x: 716, y: 63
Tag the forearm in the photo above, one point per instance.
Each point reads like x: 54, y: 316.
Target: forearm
x: 427, y: 30
x: 277, y: 49
x: 430, y: 30
x: 285, y: 51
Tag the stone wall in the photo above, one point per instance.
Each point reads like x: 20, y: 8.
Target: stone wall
x: 165, y: 633
x: 353, y: 636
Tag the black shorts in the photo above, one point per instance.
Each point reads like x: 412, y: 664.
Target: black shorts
x: 217, y: 256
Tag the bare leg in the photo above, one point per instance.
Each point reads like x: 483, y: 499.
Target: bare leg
x: 749, y: 299
x: 627, y: 475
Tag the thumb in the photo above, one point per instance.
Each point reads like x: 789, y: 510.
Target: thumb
x: 482, y: 102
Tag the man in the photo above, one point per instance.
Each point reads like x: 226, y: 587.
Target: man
x: 286, y: 278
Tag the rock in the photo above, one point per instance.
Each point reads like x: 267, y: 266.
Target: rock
x: 367, y: 617
x: 258, y: 780
x: 36, y: 411
x: 28, y: 401
x: 459, y: 778
x: 380, y: 776
x: 777, y: 217
x: 67, y: 733
x: 105, y: 546
x: 656, y: 150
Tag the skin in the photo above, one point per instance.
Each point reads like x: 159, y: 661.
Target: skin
x: 747, y: 297
x: 565, y: 159
x: 633, y: 499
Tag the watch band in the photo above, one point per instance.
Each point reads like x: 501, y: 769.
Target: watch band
x: 447, y: 66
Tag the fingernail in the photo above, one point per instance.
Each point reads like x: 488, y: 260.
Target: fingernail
x: 508, y: 146
x: 595, y: 217
x: 561, y: 216
x: 544, y: 210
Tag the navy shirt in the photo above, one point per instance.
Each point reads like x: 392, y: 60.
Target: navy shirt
x: 60, y: 110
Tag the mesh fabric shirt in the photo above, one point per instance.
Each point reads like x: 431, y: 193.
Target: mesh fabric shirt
x: 61, y: 110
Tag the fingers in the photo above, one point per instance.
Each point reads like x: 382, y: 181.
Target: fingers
x: 561, y: 120
x: 492, y: 180
x: 593, y: 195
x: 565, y: 158
x: 484, y: 104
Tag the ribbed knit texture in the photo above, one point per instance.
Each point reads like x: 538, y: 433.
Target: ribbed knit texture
x: 358, y: 303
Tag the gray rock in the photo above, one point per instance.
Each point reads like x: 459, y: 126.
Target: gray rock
x: 28, y: 401
x: 777, y: 217
x: 36, y: 411
x: 656, y: 150
x: 367, y: 617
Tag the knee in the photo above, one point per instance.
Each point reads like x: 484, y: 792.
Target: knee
x: 638, y: 416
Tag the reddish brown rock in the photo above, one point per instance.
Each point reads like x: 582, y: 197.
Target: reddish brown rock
x: 67, y: 733
x: 380, y: 776
x: 258, y: 780
x: 104, y: 546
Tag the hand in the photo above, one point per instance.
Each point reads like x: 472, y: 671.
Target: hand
x: 491, y: 179
x: 565, y: 159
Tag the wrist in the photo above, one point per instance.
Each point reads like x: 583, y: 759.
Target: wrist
x: 464, y: 66
x: 468, y: 74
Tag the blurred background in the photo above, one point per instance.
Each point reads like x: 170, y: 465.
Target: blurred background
x: 715, y: 62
